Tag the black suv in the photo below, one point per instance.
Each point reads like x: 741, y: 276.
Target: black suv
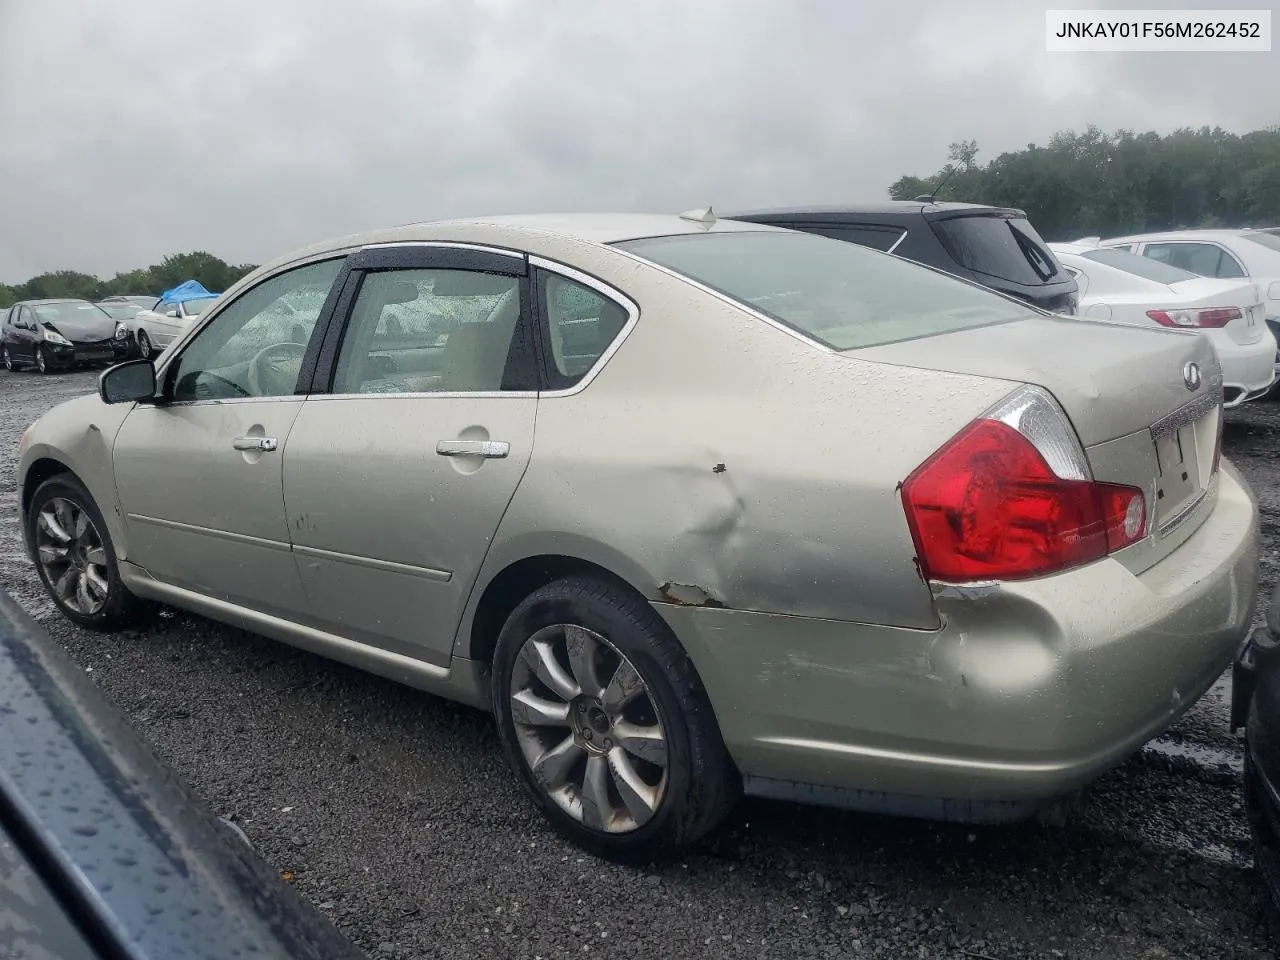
x: 994, y: 246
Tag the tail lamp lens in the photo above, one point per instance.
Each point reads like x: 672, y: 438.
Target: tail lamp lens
x: 988, y: 507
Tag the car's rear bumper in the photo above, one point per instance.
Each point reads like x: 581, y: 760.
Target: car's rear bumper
x: 1248, y: 370
x: 1027, y: 691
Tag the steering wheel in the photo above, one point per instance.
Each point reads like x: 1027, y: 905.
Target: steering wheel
x: 273, y: 371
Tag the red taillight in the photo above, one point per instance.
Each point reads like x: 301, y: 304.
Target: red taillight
x: 1210, y: 318
x: 988, y: 507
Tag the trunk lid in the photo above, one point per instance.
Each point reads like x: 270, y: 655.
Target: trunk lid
x: 1128, y: 392
x: 1203, y: 293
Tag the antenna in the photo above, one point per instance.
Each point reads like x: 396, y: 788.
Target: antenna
x: 699, y: 215
x: 932, y: 195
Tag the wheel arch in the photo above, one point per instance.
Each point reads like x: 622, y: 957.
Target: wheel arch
x: 517, y: 573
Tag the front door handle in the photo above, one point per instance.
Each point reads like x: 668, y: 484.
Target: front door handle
x: 260, y: 444
x: 489, y: 449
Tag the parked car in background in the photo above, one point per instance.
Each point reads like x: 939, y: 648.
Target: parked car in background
x: 1122, y: 287
x: 1022, y: 558
x: 994, y: 246
x: 155, y: 328
x: 1255, y: 706
x: 104, y: 855
x: 1225, y: 254
x: 55, y: 334
x: 125, y: 308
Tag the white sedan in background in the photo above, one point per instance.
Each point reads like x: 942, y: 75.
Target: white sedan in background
x: 155, y: 329
x: 1226, y: 254
x: 1122, y: 287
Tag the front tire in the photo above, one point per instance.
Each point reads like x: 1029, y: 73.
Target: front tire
x: 75, y: 558
x: 603, y: 717
x: 42, y: 360
x: 144, y: 345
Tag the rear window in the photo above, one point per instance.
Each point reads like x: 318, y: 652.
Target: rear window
x: 1143, y: 267
x: 1267, y: 238
x: 840, y: 294
x: 1007, y: 248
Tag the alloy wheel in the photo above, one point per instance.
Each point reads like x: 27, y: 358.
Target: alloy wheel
x: 70, y: 552
x: 144, y: 345
x: 8, y: 360
x: 589, y: 728
x: 42, y: 364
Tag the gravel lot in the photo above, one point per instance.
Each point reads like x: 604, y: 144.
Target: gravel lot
x: 394, y: 813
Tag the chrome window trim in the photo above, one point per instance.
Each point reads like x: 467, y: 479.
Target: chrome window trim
x: 609, y: 293
x: 428, y: 395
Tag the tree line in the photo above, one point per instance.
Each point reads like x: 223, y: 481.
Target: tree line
x: 215, y: 274
x: 1108, y: 184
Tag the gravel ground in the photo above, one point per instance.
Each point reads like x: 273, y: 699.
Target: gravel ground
x: 393, y: 812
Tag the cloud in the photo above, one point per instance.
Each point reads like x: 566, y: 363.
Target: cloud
x: 247, y: 127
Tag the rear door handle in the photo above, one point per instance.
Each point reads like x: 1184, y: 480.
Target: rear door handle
x: 489, y: 449
x: 261, y: 444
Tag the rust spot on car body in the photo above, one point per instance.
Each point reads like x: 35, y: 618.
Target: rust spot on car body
x: 687, y: 595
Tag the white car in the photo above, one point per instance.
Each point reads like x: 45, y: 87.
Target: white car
x: 155, y: 329
x: 1122, y: 287
x: 1225, y: 254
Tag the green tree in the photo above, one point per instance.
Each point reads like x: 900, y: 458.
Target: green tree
x: 214, y: 273
x: 1098, y: 183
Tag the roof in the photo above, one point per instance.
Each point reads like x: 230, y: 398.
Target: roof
x: 1205, y: 234
x: 525, y: 230
x: 881, y: 208
x: 50, y: 300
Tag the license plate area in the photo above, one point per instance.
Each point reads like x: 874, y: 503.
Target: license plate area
x: 1184, y: 446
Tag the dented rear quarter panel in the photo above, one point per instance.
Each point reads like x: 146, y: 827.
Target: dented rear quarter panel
x: 717, y: 460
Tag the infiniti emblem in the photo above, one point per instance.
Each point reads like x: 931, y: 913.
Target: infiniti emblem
x: 1191, y: 375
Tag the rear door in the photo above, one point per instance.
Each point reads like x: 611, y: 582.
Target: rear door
x: 419, y: 428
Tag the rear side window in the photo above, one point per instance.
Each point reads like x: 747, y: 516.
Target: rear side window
x: 1204, y: 259
x: 1139, y: 266
x: 878, y: 238
x: 1007, y: 248
x: 839, y: 294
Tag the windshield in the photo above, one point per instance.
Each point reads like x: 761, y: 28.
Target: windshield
x: 121, y: 311
x: 56, y: 313
x: 193, y: 308
x: 1004, y: 247
x: 1143, y: 267
x: 841, y: 294
x: 1266, y: 238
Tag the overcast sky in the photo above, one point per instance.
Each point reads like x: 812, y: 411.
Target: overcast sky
x: 131, y: 129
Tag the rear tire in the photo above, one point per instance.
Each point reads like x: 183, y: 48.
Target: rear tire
x: 9, y: 363
x: 593, y: 692
x: 75, y: 558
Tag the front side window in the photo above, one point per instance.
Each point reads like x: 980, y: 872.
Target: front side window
x: 430, y: 331
x: 839, y: 294
x: 197, y: 307
x: 250, y: 349
x: 581, y: 325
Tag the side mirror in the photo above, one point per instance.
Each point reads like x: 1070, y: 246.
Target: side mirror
x: 128, y: 382
x: 171, y: 313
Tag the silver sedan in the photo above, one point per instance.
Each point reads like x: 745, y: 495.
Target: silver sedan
x: 692, y: 505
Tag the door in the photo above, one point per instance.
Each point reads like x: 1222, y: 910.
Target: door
x: 198, y: 475
x: 27, y: 336
x: 167, y: 324
x: 398, y: 473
